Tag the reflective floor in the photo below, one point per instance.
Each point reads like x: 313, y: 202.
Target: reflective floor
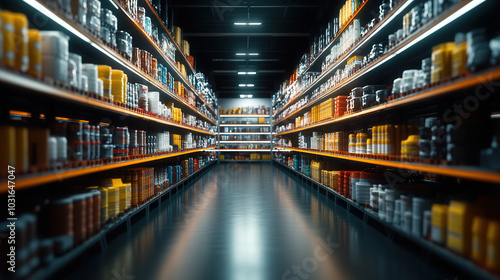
x: 253, y: 222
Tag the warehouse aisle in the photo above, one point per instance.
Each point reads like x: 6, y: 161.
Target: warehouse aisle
x: 252, y: 222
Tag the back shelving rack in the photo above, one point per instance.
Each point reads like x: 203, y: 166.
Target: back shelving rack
x: 47, y: 100
x: 221, y: 133
x: 415, y: 103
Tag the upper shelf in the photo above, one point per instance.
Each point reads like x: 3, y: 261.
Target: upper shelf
x: 363, y: 41
x: 465, y: 172
x: 448, y: 88
x: 28, y: 83
x: 84, y: 35
x: 244, y: 133
x: 158, y: 50
x: 223, y: 124
x: 245, y: 116
x: 185, y: 60
x: 32, y: 180
x: 389, y: 59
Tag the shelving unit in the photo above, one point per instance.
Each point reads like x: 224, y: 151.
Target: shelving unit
x: 389, y: 20
x: 183, y: 59
x: 434, y: 92
x: 121, y: 224
x: 388, y: 60
x: 406, y: 108
x: 232, y: 142
x: 465, y: 172
x: 159, y: 52
x: 32, y: 180
x: 42, y: 103
x: 371, y: 218
x: 44, y: 90
x: 88, y: 38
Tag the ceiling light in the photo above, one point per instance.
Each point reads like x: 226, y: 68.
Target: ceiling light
x: 246, y: 95
x: 247, y: 73
x: 247, y: 53
x: 249, y: 23
x: 243, y: 85
x: 250, y: 85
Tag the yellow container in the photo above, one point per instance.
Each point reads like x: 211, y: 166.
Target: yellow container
x: 35, y: 53
x: 104, y: 71
x: 21, y: 41
x: 459, y: 60
x: 118, y: 85
x: 493, y: 246
x: 113, y: 202
x: 122, y: 189
x: 441, y: 61
x: 125, y: 87
x: 178, y: 35
x: 459, y: 227
x: 439, y: 223
x: 104, y: 205
x: 479, y: 230
x: 22, y: 149
x: 7, y: 148
x: 104, y: 74
x: 9, y: 39
x: 128, y: 186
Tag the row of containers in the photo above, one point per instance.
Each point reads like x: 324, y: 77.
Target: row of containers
x: 53, y: 225
x: 467, y: 225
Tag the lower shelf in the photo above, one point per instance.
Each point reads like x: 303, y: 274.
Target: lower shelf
x: 125, y: 220
x: 462, y: 266
x: 245, y: 160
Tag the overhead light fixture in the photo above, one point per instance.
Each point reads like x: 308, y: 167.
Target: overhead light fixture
x: 248, y: 23
x: 246, y: 85
x: 39, y: 7
x: 247, y: 73
x: 246, y: 95
x: 247, y: 53
x: 243, y: 85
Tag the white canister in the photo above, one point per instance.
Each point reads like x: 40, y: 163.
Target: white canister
x: 72, y: 75
x: 84, y: 83
x: 78, y: 63
x: 52, y: 149
x: 154, y: 102
x: 55, y: 68
x: 100, y: 87
x: 55, y: 43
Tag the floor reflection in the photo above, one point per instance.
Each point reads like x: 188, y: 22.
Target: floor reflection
x: 252, y: 222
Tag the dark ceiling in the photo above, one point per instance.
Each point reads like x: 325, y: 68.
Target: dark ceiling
x: 287, y: 26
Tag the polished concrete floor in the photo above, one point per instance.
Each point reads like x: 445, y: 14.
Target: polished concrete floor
x: 252, y: 222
